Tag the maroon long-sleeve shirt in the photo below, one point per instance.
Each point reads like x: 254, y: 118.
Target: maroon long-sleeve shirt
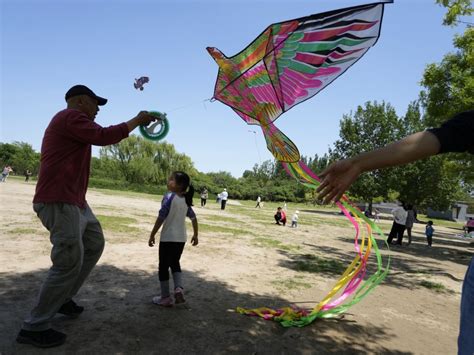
x: 66, y: 156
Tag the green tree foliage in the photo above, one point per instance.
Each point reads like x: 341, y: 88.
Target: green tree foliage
x: 456, y: 8
x: 449, y: 85
x: 317, y: 164
x: 106, y: 168
x: 430, y: 182
x: 145, y: 162
x: 280, y: 172
x: 267, y: 180
x: 370, y: 127
x: 21, y: 156
x: 7, y: 151
x: 448, y: 90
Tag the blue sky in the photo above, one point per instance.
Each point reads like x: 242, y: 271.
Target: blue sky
x: 48, y: 46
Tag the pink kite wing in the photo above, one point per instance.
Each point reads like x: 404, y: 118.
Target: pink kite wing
x: 292, y: 61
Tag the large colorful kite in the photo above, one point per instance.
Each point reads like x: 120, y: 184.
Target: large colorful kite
x: 287, y: 64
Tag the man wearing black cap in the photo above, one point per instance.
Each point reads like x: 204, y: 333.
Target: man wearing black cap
x: 60, y: 203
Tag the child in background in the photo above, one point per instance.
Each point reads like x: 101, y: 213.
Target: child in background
x: 429, y: 230
x: 294, y: 220
x: 175, y: 207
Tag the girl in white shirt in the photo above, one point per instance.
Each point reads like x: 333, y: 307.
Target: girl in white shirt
x: 175, y: 207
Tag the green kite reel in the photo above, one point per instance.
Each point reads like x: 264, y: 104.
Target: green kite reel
x: 157, y: 130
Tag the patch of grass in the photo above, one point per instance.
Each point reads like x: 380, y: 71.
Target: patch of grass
x: 132, y: 194
x: 316, y: 264
x: 265, y: 215
x: 118, y: 224
x: 331, y: 222
x: 23, y: 231
x: 440, y: 222
x: 223, y: 219
x: 273, y: 243
x: 203, y: 227
x: 435, y: 286
x: 151, y: 218
x: 106, y: 208
x: 290, y: 284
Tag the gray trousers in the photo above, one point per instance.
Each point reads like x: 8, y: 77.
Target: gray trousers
x: 78, y: 243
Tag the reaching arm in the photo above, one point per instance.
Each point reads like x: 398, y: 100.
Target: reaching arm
x: 339, y: 176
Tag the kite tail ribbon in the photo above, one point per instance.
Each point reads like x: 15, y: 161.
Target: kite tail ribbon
x: 351, y: 283
x: 282, y: 148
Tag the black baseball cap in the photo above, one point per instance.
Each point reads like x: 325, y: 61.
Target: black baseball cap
x: 84, y: 90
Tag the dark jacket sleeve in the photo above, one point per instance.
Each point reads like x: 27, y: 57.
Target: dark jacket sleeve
x: 456, y: 134
x: 87, y: 131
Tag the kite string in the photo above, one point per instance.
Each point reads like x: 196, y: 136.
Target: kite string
x: 191, y: 104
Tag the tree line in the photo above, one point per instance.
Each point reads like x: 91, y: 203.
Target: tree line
x: 448, y: 88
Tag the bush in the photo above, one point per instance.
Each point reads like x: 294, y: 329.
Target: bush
x: 125, y: 186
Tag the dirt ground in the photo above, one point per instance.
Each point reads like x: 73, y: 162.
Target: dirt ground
x: 243, y: 259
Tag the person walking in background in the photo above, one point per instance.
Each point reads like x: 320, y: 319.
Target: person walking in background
x: 429, y: 231
x: 224, y: 195
x: 454, y: 135
x: 60, y: 203
x: 27, y: 175
x: 409, y: 221
x: 294, y: 219
x: 6, y: 171
x: 398, y: 226
x: 258, y: 202
x: 204, y: 197
x: 175, y: 207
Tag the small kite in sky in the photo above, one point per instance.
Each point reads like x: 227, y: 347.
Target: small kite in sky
x: 140, y: 82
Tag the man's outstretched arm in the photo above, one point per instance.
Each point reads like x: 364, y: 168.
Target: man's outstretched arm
x: 340, y: 175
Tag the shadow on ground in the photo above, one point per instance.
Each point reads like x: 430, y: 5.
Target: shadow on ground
x: 445, y: 248
x: 120, y: 318
x: 331, y: 262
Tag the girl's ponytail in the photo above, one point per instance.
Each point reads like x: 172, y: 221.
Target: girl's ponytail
x: 188, y: 196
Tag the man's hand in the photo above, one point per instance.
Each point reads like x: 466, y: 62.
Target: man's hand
x: 194, y: 240
x: 151, y: 241
x: 339, y: 176
x: 336, y: 179
x: 142, y: 119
